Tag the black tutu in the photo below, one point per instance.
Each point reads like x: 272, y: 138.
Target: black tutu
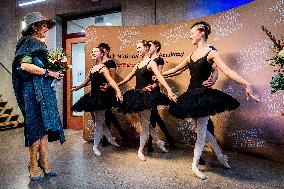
x: 98, y: 101
x: 201, y: 102
x: 137, y: 100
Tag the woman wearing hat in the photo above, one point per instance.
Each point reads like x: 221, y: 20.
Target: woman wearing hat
x: 35, y: 96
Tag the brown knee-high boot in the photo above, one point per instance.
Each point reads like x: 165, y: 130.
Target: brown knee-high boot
x: 43, y: 157
x: 33, y: 167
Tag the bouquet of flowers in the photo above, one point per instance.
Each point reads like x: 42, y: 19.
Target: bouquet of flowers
x: 57, y: 60
x: 277, y: 82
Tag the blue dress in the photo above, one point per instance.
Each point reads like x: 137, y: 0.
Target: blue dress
x: 200, y: 101
x: 35, y: 96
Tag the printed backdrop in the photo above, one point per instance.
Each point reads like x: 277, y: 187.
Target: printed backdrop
x: 256, y: 128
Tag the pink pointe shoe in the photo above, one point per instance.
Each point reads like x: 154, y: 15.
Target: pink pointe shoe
x: 198, y: 173
x: 141, y: 155
x: 223, y: 159
x: 161, y: 145
x: 96, y: 151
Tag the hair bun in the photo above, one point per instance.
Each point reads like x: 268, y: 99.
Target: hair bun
x: 204, y: 26
x: 207, y: 27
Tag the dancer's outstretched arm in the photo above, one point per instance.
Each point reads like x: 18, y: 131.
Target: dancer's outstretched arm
x: 112, y: 72
x: 129, y: 77
x: 153, y: 66
x: 112, y: 83
x: 214, y: 55
x: 179, y: 67
x: 176, y: 73
x: 85, y: 83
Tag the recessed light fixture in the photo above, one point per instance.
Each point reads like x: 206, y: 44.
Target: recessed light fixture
x: 30, y: 2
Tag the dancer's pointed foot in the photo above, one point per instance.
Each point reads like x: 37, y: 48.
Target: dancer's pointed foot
x: 96, y: 151
x: 223, y: 159
x: 141, y: 155
x: 161, y: 145
x: 115, y: 144
x: 198, y: 173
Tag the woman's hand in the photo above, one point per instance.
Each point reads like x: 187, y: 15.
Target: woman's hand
x: 105, y: 86
x: 119, y: 96
x: 150, y: 87
x: 75, y: 88
x: 208, y: 83
x: 172, y: 96
x: 250, y: 93
x: 56, y: 74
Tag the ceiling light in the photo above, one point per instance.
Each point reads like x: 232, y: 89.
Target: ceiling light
x: 30, y: 2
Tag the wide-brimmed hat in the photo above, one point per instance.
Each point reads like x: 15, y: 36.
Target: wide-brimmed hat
x: 33, y: 18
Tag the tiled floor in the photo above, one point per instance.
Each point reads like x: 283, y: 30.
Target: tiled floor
x: 77, y: 167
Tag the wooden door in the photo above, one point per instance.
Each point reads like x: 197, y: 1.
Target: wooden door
x: 75, y: 49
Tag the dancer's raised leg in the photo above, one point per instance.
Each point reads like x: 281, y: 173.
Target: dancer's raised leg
x: 154, y: 135
x: 107, y: 133
x: 223, y: 159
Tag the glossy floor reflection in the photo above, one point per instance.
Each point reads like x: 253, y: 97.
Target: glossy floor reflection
x: 78, y: 167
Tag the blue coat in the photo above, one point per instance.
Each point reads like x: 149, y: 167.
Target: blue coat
x: 35, y: 96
